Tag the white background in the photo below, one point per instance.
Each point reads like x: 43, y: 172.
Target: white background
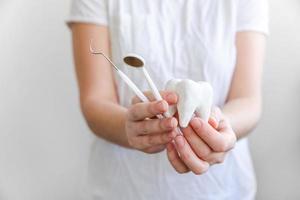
x: 44, y: 142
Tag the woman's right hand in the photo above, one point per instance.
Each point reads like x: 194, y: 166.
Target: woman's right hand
x: 144, y: 130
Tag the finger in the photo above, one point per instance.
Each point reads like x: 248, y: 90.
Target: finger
x: 213, y: 122
x: 175, y: 160
x: 216, y: 113
x: 146, y: 141
x: 140, y: 111
x: 201, y: 149
x: 156, y: 125
x: 155, y: 149
x: 223, y: 125
x: 226, y: 131
x: 215, y: 117
x: 195, y: 164
x: 213, y: 138
x: 216, y: 158
x: 169, y: 96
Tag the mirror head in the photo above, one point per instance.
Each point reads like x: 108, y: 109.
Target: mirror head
x: 134, y: 60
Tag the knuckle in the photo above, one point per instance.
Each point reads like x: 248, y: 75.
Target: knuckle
x: 172, y: 134
x: 128, y: 114
x: 164, y: 138
x: 132, y: 113
x: 219, y: 160
x: 200, y: 170
x: 164, y: 124
x: 222, y: 147
x: 143, y: 127
x: 151, y: 141
x: 181, y: 170
x: 205, y: 152
x: 167, y: 138
x: 186, y: 157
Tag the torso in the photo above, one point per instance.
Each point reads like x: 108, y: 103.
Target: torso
x: 179, y: 39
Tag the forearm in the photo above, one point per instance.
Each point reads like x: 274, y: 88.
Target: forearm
x: 243, y: 107
x: 107, y: 120
x: 243, y: 114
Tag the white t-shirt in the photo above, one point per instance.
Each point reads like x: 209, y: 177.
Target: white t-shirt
x: 192, y: 39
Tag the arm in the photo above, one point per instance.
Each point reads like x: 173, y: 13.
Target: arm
x: 243, y: 106
x: 98, y: 97
x: 99, y: 102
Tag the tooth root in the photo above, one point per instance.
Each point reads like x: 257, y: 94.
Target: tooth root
x: 203, y: 112
x: 185, y: 114
x: 172, y: 110
x: 186, y: 104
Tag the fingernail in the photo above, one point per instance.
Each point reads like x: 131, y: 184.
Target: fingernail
x: 173, y: 123
x: 196, y: 123
x: 162, y: 105
x: 169, y: 147
x: 172, y: 135
x: 171, y: 97
x: 213, y: 122
x: 179, y: 141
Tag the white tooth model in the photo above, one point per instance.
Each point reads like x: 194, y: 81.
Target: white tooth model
x: 194, y: 98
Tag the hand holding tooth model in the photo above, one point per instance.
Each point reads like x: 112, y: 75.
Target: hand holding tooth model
x: 201, y: 141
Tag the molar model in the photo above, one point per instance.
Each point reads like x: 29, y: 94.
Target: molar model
x: 194, y: 98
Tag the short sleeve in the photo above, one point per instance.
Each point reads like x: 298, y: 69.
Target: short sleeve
x: 88, y: 11
x: 253, y: 15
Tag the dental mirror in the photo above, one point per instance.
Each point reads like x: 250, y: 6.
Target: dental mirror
x: 137, y: 61
x: 121, y: 74
x: 134, y: 60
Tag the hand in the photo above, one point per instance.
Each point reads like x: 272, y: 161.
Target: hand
x: 202, y: 144
x: 144, y: 131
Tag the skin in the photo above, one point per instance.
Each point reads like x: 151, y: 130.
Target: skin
x: 202, y: 144
x: 99, y: 100
x: 205, y: 144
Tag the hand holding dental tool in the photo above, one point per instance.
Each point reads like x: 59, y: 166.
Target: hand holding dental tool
x: 137, y: 61
x: 122, y: 75
x: 163, y: 129
x: 125, y: 78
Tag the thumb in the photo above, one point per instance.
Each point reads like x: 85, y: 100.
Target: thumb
x: 215, y: 117
x: 169, y: 96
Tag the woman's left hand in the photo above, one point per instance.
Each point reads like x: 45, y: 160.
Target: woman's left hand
x: 202, y: 144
